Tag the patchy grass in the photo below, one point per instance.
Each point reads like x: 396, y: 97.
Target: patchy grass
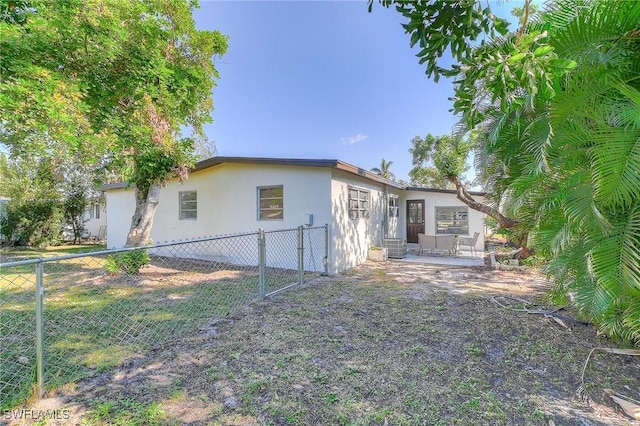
x: 413, y: 345
x: 95, y: 320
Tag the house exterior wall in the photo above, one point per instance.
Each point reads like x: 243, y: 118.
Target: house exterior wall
x: 350, y: 239
x: 395, y: 229
x: 120, y: 208
x: 439, y: 199
x: 92, y: 224
x: 227, y: 203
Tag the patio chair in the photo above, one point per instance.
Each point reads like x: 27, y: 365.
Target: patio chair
x: 469, y: 242
x: 446, y: 242
x: 426, y: 242
x: 102, y: 234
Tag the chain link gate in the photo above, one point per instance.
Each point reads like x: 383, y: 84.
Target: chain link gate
x: 66, y: 318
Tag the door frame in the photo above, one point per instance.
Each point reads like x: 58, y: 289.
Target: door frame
x: 408, y: 224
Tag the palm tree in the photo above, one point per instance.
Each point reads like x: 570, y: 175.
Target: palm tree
x: 383, y: 170
x: 561, y: 149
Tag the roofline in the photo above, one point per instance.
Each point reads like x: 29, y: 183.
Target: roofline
x: 300, y: 162
x: 118, y: 185
x: 444, y: 191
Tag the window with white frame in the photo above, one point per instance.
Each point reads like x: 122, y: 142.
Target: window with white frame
x: 393, y: 205
x: 271, y: 202
x: 359, y: 200
x: 452, y: 220
x: 188, y: 205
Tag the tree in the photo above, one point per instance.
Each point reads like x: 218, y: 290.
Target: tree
x: 77, y: 186
x: 383, y: 170
x: 112, y: 82
x: 555, y: 105
x: 34, y: 213
x: 424, y: 173
x: 449, y: 155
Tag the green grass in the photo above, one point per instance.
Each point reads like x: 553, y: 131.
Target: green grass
x: 94, y: 320
x: 126, y: 412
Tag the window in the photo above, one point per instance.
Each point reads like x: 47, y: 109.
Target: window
x: 452, y: 220
x: 188, y: 205
x: 393, y: 205
x: 271, y: 203
x: 358, y: 203
x: 93, y: 211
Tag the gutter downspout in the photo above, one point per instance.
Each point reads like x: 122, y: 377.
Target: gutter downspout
x: 385, y: 220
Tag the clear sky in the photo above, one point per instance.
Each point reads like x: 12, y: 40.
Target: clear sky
x: 323, y: 79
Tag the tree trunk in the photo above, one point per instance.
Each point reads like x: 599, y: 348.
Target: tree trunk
x: 463, y: 195
x: 142, y: 220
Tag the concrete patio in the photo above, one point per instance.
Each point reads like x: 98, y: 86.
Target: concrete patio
x: 461, y: 259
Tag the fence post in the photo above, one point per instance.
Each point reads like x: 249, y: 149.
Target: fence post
x: 326, y: 249
x: 40, y: 329
x: 301, y: 254
x: 262, y: 261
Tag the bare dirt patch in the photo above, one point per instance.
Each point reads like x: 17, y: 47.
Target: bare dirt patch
x: 394, y: 343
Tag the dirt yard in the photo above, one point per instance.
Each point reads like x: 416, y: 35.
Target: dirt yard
x: 382, y: 344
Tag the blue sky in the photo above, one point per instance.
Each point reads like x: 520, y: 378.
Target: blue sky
x: 322, y: 79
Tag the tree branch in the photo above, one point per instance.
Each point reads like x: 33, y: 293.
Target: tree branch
x: 463, y: 195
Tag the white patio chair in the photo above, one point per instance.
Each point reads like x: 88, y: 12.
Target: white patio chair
x: 469, y: 242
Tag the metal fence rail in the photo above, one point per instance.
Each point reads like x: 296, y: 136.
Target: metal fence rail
x: 66, y: 318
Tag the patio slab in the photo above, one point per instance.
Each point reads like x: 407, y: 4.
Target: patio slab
x: 443, y: 260
x: 462, y: 259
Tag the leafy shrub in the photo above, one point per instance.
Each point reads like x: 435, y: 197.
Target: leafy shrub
x: 34, y: 223
x: 128, y: 262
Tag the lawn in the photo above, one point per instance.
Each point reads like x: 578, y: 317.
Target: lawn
x: 389, y: 345
x: 95, y: 320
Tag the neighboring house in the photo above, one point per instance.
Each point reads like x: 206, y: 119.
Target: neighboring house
x: 226, y: 195
x: 95, y: 219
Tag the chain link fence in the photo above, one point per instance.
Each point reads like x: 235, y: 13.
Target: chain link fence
x: 66, y: 318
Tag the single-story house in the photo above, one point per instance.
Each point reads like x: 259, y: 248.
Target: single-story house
x: 95, y: 219
x: 225, y: 195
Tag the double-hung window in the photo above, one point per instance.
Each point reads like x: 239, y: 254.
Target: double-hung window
x: 271, y: 202
x: 359, y: 203
x: 188, y: 205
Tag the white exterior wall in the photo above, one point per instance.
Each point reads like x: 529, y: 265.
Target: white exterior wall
x: 227, y: 203
x: 92, y: 225
x: 439, y: 199
x: 121, y: 205
x: 350, y: 239
x: 395, y: 230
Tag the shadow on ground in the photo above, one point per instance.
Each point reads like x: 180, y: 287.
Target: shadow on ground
x: 386, y: 344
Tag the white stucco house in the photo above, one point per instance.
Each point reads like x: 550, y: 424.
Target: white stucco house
x: 226, y: 195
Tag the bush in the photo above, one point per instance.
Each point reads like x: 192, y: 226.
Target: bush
x: 35, y: 223
x: 128, y: 262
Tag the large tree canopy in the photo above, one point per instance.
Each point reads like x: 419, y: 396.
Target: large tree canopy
x: 555, y: 106
x: 112, y: 82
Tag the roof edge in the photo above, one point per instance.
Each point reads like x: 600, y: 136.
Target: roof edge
x: 303, y: 162
x: 443, y: 191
